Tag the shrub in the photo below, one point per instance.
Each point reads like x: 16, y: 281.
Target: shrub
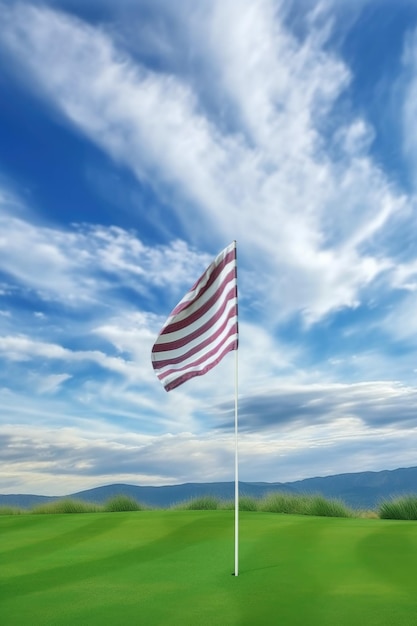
x: 401, y: 508
x: 67, y: 506
x: 122, y: 503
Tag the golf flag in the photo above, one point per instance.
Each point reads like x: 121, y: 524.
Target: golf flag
x: 202, y: 328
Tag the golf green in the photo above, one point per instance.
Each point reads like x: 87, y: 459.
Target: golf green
x: 175, y: 567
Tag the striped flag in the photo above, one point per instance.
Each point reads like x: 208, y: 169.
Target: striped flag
x: 202, y: 328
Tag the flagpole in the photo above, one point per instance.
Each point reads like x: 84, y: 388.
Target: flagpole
x: 236, y: 472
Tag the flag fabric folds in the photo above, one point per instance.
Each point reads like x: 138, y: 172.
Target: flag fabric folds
x: 202, y: 328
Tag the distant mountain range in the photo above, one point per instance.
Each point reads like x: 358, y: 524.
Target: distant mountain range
x: 363, y: 490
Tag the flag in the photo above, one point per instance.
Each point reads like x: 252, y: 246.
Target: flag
x: 202, y: 328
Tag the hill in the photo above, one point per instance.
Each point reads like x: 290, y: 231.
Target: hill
x: 364, y: 490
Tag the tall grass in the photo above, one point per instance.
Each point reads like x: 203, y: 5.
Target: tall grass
x: 404, y: 508
x: 11, y: 510
x: 205, y: 503
x: 122, y: 503
x: 67, y: 505
x: 320, y: 506
x: 283, y: 503
x: 212, y: 503
x: 246, y: 503
x: 274, y: 503
x: 304, y: 505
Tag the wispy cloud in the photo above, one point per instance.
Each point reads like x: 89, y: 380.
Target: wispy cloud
x: 306, y: 203
x: 241, y: 124
x: 374, y: 404
x: 77, y: 265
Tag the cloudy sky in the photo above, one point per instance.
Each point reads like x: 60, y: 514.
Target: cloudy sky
x: 138, y: 139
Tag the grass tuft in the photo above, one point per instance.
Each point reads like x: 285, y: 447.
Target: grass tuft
x: 227, y: 505
x: 299, y: 504
x: 122, y: 503
x: 205, y: 503
x: 67, y: 505
x: 282, y: 503
x: 320, y: 506
x: 401, y: 508
x: 247, y: 503
x: 10, y: 510
x: 274, y: 502
x: 366, y: 514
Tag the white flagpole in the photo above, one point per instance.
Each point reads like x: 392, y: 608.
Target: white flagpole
x: 236, y: 474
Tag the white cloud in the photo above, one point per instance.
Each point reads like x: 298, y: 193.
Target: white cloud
x: 250, y: 147
x: 70, y: 265
x: 91, y: 452
x: 22, y: 348
x: 272, y: 181
x: 51, y: 383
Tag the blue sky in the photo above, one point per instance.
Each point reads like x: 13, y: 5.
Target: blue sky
x: 138, y: 139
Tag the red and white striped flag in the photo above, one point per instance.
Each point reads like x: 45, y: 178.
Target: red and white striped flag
x: 202, y: 328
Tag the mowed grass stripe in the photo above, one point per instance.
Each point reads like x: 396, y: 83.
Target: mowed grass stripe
x: 174, y: 567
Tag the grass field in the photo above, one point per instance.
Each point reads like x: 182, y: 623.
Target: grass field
x: 174, y: 568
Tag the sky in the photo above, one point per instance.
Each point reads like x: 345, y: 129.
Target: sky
x: 137, y: 140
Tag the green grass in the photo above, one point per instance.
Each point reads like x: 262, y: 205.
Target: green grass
x: 174, y: 567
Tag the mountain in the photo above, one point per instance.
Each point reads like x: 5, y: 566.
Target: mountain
x: 159, y: 497
x: 362, y: 490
